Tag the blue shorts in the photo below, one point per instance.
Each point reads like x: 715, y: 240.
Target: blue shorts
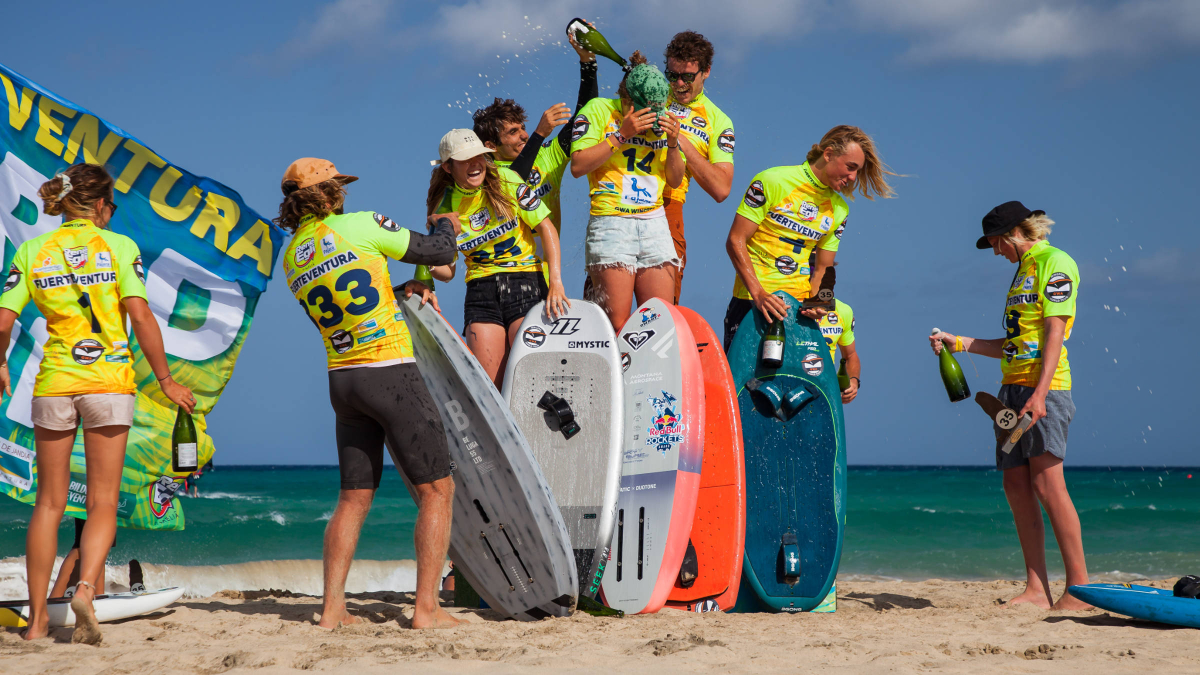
x: 1048, y: 435
x: 632, y: 243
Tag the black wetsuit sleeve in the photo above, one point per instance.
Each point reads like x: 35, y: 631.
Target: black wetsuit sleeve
x: 523, y: 164
x: 435, y: 248
x: 589, y: 88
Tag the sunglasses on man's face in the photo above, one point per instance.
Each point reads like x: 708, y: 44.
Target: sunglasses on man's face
x: 686, y: 77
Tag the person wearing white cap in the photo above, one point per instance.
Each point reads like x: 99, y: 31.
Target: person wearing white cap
x: 499, y: 215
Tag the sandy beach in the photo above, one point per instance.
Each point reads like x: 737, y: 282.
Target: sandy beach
x: 927, y: 626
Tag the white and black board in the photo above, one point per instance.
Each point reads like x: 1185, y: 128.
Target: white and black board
x: 574, y: 358
x: 508, y: 538
x: 108, y: 607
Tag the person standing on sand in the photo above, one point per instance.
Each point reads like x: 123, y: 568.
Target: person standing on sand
x: 87, y: 281
x: 336, y: 266
x: 1039, y: 313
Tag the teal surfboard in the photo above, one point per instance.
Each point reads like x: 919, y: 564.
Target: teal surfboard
x: 794, y: 437
x: 1142, y: 602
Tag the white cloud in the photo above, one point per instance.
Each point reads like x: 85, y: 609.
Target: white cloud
x: 340, y: 23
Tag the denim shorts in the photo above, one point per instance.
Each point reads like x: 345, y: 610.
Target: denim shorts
x: 1048, y: 435
x: 632, y: 243
x: 502, y: 298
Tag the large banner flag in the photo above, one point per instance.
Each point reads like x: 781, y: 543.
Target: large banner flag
x: 208, y: 257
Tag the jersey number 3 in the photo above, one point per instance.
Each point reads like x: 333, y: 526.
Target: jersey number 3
x: 331, y: 314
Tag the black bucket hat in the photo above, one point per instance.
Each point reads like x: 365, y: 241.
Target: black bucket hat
x: 1002, y: 219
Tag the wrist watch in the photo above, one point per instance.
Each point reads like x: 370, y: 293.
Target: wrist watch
x: 859, y: 382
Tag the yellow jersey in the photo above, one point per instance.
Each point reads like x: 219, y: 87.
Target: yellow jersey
x: 837, y: 327
x: 706, y: 127
x: 1045, y: 285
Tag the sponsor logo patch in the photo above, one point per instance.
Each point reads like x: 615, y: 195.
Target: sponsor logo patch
x: 808, y: 211
x: 786, y: 265
x: 327, y: 245
x: 625, y: 361
x: 479, y: 220
x: 534, y: 337
x: 699, y: 122
x: 373, y: 336
x: 117, y: 358
x: 386, y: 223
x: 638, y: 338
x: 826, y: 223
x: 813, y: 365
x: 588, y: 344
x: 305, y: 253
x: 666, y: 427
x: 648, y: 316
x: 528, y: 198
x: 725, y: 140
x: 565, y: 326
x: 535, y: 177
x: 677, y: 110
x: 341, y: 341
x: 14, y: 278
x: 833, y: 319
x: 639, y: 190
x: 580, y: 127
x: 366, y: 326
x: 1010, y: 350
x: 76, y: 257
x: 841, y: 228
x: 103, y: 260
x: 1058, y: 288
x: 755, y: 198
x: 87, y: 352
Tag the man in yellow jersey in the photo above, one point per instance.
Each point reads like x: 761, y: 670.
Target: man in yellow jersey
x: 838, y: 329
x: 336, y: 266
x: 709, y: 132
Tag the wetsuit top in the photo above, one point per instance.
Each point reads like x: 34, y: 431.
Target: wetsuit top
x: 490, y: 243
x: 709, y: 129
x: 632, y: 181
x: 77, y: 276
x: 1045, y: 285
x: 795, y: 213
x: 337, y: 268
x: 838, y: 327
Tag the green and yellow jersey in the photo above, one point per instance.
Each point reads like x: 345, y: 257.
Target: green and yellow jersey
x: 490, y: 244
x: 633, y: 180
x: 1045, y: 285
x: 795, y: 213
x: 545, y: 180
x: 77, y: 276
x: 704, y: 125
x: 337, y: 269
x: 838, y: 327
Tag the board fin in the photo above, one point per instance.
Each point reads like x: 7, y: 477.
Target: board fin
x: 690, y: 568
x: 789, y: 550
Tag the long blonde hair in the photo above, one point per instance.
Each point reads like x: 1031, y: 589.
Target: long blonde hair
x: 493, y: 187
x: 1033, y: 229
x: 871, y: 179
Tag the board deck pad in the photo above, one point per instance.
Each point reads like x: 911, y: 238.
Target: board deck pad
x: 1141, y: 602
x: 574, y: 357
x: 795, y: 469
x: 719, y: 526
x: 108, y: 607
x: 663, y: 451
x: 508, y: 537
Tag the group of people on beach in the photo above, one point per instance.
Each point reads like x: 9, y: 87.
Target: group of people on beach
x: 494, y: 197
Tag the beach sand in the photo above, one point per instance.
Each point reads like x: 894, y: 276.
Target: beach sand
x: 880, y: 626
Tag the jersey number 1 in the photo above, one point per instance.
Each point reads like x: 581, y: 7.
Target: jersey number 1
x: 85, y: 301
x: 644, y: 165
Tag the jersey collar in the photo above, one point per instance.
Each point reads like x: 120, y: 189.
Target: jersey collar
x: 79, y: 222
x: 806, y: 169
x: 1033, y: 249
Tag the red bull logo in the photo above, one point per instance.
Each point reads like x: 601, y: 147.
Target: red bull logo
x: 666, y: 427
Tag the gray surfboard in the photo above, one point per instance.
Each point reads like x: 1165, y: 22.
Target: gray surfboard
x: 508, y: 537
x: 574, y: 358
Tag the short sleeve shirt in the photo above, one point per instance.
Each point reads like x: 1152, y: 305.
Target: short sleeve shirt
x: 796, y: 214
x: 337, y: 269
x: 838, y: 328
x: 491, y: 243
x: 704, y: 125
x: 545, y: 180
x: 633, y: 180
x: 77, y: 276
x: 1046, y: 284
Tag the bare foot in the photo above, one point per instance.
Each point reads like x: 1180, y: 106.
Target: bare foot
x: 1032, y: 597
x: 1070, y: 603
x: 37, y: 629
x: 333, y: 619
x: 87, y: 629
x: 438, y: 618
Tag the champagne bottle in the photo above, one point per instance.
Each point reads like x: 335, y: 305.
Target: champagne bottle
x: 843, y: 378
x: 772, y: 345
x: 590, y: 39
x: 184, y: 449
x: 424, y: 276
x: 952, y: 375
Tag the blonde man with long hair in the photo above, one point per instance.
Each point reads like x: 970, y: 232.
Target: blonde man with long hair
x: 1039, y: 312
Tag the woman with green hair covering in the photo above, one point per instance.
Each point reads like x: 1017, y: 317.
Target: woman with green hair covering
x: 629, y: 149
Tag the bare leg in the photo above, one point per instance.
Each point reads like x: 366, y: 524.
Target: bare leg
x: 1031, y: 532
x: 1051, y: 489
x: 104, y: 448
x: 432, y: 538
x: 341, y: 539
x: 655, y: 282
x: 68, y: 574
x: 41, y: 539
x: 613, y: 290
x: 489, y: 343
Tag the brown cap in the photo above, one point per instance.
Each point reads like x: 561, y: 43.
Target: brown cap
x: 308, y: 171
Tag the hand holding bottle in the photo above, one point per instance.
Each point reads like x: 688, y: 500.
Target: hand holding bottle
x: 940, y: 340
x: 584, y: 55
x: 772, y: 307
x: 179, y: 394
x: 427, y: 294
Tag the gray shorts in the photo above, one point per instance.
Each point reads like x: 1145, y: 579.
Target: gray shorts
x: 63, y: 413
x: 1048, y: 435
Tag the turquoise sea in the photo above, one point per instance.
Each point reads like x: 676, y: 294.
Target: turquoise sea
x: 261, y: 526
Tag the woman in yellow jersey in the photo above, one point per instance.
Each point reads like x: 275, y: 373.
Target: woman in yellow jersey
x: 790, y: 211
x: 86, y: 281
x: 1039, y: 311
x: 499, y: 214
x: 628, y: 250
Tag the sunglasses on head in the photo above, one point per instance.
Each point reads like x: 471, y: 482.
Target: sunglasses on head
x: 686, y: 77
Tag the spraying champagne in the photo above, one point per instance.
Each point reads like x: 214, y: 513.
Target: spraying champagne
x: 592, y: 40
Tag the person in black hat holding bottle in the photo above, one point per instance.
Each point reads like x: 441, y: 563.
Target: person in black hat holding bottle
x: 1039, y: 312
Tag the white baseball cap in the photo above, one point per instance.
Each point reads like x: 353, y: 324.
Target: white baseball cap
x: 460, y: 144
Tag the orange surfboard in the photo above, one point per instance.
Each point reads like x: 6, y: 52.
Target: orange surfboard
x: 719, y: 526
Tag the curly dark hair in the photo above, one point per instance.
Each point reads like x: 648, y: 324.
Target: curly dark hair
x: 490, y: 121
x: 321, y: 200
x: 690, y: 46
x: 89, y: 182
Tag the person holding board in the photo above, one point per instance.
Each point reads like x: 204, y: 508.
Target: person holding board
x: 1039, y: 312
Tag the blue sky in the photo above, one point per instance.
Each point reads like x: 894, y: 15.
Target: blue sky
x: 1084, y: 109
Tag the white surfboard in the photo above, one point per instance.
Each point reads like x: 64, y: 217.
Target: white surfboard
x: 110, y: 607
x: 574, y: 358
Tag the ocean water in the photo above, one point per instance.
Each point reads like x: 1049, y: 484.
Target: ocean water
x: 262, y: 527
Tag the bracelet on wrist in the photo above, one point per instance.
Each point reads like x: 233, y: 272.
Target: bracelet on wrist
x: 164, y: 377
x: 958, y: 344
x: 859, y: 381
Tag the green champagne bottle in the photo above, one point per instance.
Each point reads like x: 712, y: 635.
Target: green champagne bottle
x: 424, y: 276
x: 952, y: 375
x: 843, y: 378
x: 184, y: 449
x: 590, y: 39
x: 772, y: 346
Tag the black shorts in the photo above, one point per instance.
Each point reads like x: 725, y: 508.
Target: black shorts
x: 502, y: 298
x: 734, y: 314
x: 79, y: 522
x: 389, y: 403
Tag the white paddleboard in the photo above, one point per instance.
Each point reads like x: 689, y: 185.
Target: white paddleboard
x: 110, y: 607
x: 574, y: 358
